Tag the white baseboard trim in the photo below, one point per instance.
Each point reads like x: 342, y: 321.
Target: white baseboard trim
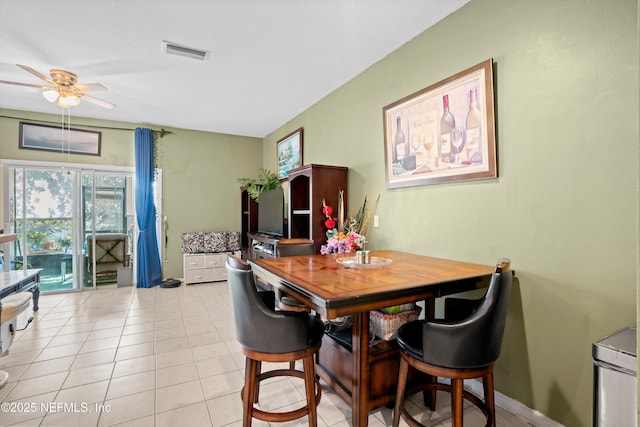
x: 536, y: 418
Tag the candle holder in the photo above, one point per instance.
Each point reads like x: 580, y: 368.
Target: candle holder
x: 363, y: 257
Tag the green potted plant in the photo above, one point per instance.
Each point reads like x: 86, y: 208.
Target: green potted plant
x: 266, y: 181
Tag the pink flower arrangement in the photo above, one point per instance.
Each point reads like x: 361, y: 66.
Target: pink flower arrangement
x: 338, y: 241
x: 343, y: 243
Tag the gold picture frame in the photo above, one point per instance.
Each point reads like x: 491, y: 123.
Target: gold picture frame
x: 443, y: 133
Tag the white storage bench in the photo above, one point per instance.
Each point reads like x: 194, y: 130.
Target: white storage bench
x: 199, y: 268
x: 204, y: 255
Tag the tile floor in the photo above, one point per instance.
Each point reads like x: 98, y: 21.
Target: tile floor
x: 152, y: 357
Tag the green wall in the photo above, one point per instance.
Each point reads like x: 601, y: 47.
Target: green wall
x: 116, y: 147
x: 564, y: 207
x: 199, y: 171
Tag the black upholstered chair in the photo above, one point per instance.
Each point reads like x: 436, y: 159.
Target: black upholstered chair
x: 293, y: 247
x: 457, y: 350
x: 267, y: 335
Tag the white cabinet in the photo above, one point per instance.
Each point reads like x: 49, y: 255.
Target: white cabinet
x: 199, y: 268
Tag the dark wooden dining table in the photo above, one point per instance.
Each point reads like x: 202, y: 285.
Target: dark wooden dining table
x: 333, y: 291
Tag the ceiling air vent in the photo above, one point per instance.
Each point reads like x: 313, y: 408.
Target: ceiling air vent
x: 189, y: 52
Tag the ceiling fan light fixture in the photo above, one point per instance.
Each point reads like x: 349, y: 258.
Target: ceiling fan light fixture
x: 68, y: 101
x: 51, y: 95
x: 171, y: 48
x: 63, y: 90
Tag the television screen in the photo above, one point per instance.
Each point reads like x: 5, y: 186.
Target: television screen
x: 271, y: 213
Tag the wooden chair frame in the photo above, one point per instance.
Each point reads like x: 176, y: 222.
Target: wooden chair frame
x: 456, y: 388
x: 253, y: 377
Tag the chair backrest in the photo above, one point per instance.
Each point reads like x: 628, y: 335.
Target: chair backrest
x: 477, y: 340
x: 258, y: 327
x: 293, y: 247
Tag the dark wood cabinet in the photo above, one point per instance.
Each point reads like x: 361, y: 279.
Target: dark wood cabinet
x: 308, y: 186
x: 335, y: 367
x: 249, y: 219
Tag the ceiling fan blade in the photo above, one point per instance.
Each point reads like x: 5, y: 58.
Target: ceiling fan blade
x: 24, y: 84
x: 90, y: 87
x: 35, y: 73
x: 99, y: 102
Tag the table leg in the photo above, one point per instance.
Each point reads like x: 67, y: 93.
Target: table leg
x: 36, y: 296
x: 360, y: 350
x: 430, y: 309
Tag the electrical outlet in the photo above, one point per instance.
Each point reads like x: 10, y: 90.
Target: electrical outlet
x: 376, y: 221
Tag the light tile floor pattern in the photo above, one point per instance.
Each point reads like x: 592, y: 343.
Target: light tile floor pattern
x: 154, y: 357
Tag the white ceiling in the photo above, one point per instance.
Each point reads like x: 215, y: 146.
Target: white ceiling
x: 270, y: 59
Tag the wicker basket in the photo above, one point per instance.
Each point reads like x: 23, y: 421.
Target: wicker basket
x: 386, y: 325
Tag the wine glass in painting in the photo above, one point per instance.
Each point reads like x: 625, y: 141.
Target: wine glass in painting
x: 457, y: 140
x: 427, y: 142
x: 416, y: 141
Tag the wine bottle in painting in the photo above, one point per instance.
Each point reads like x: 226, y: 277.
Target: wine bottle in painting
x: 473, y: 125
x: 447, y: 123
x: 399, y: 140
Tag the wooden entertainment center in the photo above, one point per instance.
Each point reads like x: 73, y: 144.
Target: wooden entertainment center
x: 249, y: 222
x: 261, y: 246
x: 309, y: 185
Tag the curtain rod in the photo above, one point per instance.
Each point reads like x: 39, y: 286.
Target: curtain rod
x: 162, y: 131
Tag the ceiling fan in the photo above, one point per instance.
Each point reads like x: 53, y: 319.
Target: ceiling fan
x: 63, y: 90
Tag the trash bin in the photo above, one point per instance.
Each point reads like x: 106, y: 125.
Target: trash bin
x: 614, y: 379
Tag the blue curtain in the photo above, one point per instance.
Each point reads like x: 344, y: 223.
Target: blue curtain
x: 149, y: 268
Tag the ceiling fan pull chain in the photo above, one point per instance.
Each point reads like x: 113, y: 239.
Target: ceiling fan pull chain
x: 61, y: 138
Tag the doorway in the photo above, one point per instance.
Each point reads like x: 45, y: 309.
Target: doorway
x: 107, y: 228
x: 63, y: 217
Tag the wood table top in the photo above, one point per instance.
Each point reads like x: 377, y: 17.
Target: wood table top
x: 333, y: 290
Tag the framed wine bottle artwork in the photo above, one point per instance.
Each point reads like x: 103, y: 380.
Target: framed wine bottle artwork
x: 443, y: 133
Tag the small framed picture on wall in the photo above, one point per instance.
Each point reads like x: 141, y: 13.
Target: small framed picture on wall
x: 289, y: 151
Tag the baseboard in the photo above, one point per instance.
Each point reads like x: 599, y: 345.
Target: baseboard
x: 513, y: 406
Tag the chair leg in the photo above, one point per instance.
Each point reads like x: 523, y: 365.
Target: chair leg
x: 457, y: 386
x: 402, y: 383
x: 429, y: 396
x: 310, y: 386
x: 256, y: 392
x: 250, y: 375
x: 487, y: 383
